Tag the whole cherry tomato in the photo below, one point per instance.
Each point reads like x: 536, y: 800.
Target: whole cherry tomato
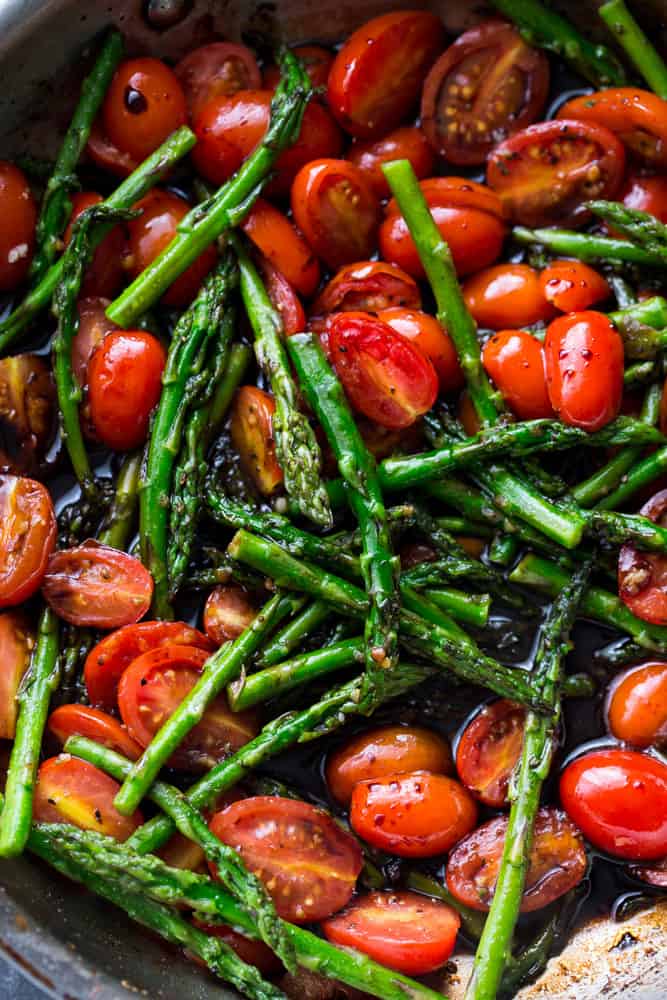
x: 506, y: 295
x: 368, y: 286
x: 514, y: 360
x: 228, y: 612
x: 283, y: 297
x: 618, y: 798
x: 646, y: 193
x: 316, y: 59
x: 487, y: 85
x: 80, y: 720
x: 428, y: 335
x: 406, y: 143
x: 144, y: 104
x: 584, y: 365
x: 637, y: 705
x: 642, y: 576
x: 488, y: 749
x: 16, y: 645
x: 19, y: 218
x: 572, y: 286
x: 106, y: 271
x: 283, y: 245
x: 27, y: 537
x: 251, y: 429
x: 106, y: 155
x: 216, y: 70
x: 637, y: 117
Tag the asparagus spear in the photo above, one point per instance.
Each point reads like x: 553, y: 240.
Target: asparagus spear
x: 472, y: 921
x: 291, y: 636
x: 645, y: 231
x: 639, y: 373
x: 636, y: 45
x: 587, y: 246
x: 56, y: 206
x: 471, y: 609
x: 640, y: 475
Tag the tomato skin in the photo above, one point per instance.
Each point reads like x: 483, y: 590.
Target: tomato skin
x: 216, y: 70
x: 106, y: 155
x: 647, y: 194
x: 283, y: 297
x: 406, y: 143
x: 642, y: 576
x: 584, y: 364
x: 413, y: 815
x: 27, y: 537
x: 637, y: 117
x: 368, y: 286
x: 490, y: 84
x: 385, y: 377
x: 572, y: 286
x: 488, y: 750
x: 227, y: 613
x: 80, y: 720
x: 124, y: 384
x: 514, y: 359
x: 385, y: 750
x: 97, y: 586
x: 656, y: 875
x: 253, y: 952
x: 637, y: 705
x: 19, y: 219
x: 144, y: 104
x: 506, y: 295
x: 316, y: 59
x: 557, y: 862
x: 456, y: 192
x: 376, y: 75
x: 618, y: 798
x: 251, y: 430
x: 281, y: 243
x: 28, y: 407
x: 403, y: 930
x: 91, y: 331
x: 105, y: 272
x: 427, y: 334
x: 307, y: 862
x: 16, y: 644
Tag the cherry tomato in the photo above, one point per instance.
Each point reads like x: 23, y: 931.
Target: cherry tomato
x: 106, y: 155
x: 402, y: 930
x: 413, y: 815
x: 637, y: 117
x: 96, y: 586
x: 27, y: 537
x: 382, y: 442
x: 251, y: 430
x: 618, y: 798
x: 647, y: 194
x: 283, y: 298
x: 19, y: 218
x: 642, y: 576
x: 283, y: 245
x: 144, y: 104
x: 306, y: 861
x: 637, y: 705
x: 248, y: 950
x: 467, y: 414
x: 546, y: 173
x: 107, y: 660
x: 228, y: 612
x: 406, y: 143
x: 91, y: 331
x: 488, y: 749
x: 105, y: 272
x: 216, y: 70
x: 335, y: 208
x: 179, y: 852
x: 385, y: 750
x: 427, y: 334
x: 572, y: 286
x: 16, y: 645
x: 486, y: 86
x: 557, y: 862
x: 385, y: 377
x: 657, y: 875
x: 28, y: 407
x: 414, y: 554
x: 456, y: 192
x: 80, y: 720
x: 506, y: 295
x: 584, y: 364
x: 368, y: 286
x: 69, y: 790
x: 152, y: 231
x: 514, y: 360
x: 316, y: 59
x: 378, y: 72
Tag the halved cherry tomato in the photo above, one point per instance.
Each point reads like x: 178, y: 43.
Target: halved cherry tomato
x: 144, y: 104
x: 377, y: 74
x: 572, y: 286
x: 27, y: 537
x: 69, y: 790
x: 403, y: 930
x: 584, y: 364
x: 335, y: 208
x: 283, y: 298
x: 384, y: 376
x: 506, y: 295
x: 413, y: 815
x: 253, y: 952
x: 637, y: 705
x: 428, y: 335
x: 152, y: 231
x: 488, y: 749
x: 97, y: 586
x: 637, y: 117
x: 406, y: 143
x: 80, y: 720
x: 642, y: 576
x: 368, y: 286
x: 228, y: 612
x: 91, y: 331
x: 105, y: 154
x: 216, y: 70
x: 646, y: 193
x: 385, y: 750
x: 546, y: 173
x: 281, y: 243
x: 316, y: 59
x: 28, y: 408
x: 382, y: 442
x: 486, y: 86
x: 514, y: 359
x: 179, y: 852
x: 251, y: 429
x: 105, y: 271
x: 656, y: 875
x: 19, y: 218
x: 414, y: 554
x: 16, y: 644
x: 107, y: 660
x: 456, y: 192
x: 618, y: 798
x: 306, y: 861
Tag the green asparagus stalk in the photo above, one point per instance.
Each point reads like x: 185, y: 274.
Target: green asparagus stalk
x: 587, y: 246
x: 472, y: 921
x: 639, y: 373
x: 120, y: 516
x: 644, y: 230
x: 636, y: 45
x: 640, y: 475
x: 471, y: 609
x: 291, y: 636
x: 427, y: 611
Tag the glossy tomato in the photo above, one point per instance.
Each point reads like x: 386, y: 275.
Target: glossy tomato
x: 619, y: 800
x: 488, y: 750
x: 637, y: 705
x: 248, y: 950
x: 96, y: 586
x: 316, y: 59
x: 28, y: 408
x: 546, y: 173
x: 19, y: 218
x: 402, y: 930
x: 406, y: 143
x: 106, y: 270
x: 91, y: 331
x: 385, y: 377
x: 642, y: 576
x: 306, y: 861
x: 637, y: 117
x: 27, y: 537
x: 426, y: 333
x: 144, y: 104
x: 368, y: 286
x: 81, y: 720
x: 228, y: 612
x: 655, y: 875
x: 486, y: 86
x: 16, y: 644
x: 557, y: 862
x: 283, y: 245
x: 646, y: 193
x: 106, y: 155
x: 514, y: 360
x: 584, y: 364
x: 251, y: 429
x: 572, y: 286
x: 507, y: 295
x: 283, y: 297
x: 216, y: 70
x: 414, y: 815
x: 467, y: 414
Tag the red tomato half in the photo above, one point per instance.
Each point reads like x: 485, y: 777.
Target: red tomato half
x: 105, y: 272
x: 306, y: 861
x: 144, y: 104
x: 216, y: 70
x: 283, y: 245
x: 637, y: 117
x: 368, y: 286
x: 488, y: 750
x: 402, y: 930
x: 514, y: 360
x: 253, y: 952
x: 80, y: 720
x: 427, y: 334
x: 486, y: 86
x: 251, y: 430
x: 407, y: 143
x: 637, y: 705
x: 228, y: 612
x: 91, y: 331
x: 572, y: 286
x: 96, y: 586
x: 584, y: 364
x: 19, y: 218
x: 27, y: 537
x: 506, y: 295
x: 384, y: 376
x: 283, y: 297
x: 315, y: 58
x: 619, y: 800
x: 642, y: 576
x: 16, y: 645
x: 106, y: 155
